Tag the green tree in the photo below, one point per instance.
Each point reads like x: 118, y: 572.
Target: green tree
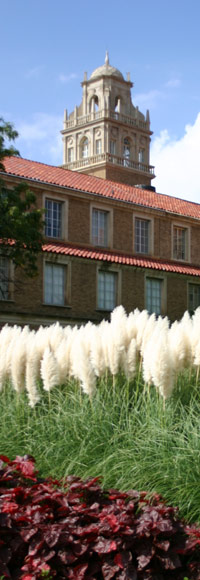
x: 21, y: 223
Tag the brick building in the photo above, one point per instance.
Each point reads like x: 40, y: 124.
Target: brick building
x: 106, y: 244
x: 108, y: 240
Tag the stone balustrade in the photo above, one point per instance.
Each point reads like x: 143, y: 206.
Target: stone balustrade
x: 104, y: 114
x: 108, y: 157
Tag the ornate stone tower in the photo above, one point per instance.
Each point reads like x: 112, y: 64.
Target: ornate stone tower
x: 106, y: 135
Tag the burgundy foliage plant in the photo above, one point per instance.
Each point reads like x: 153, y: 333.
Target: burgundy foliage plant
x: 76, y: 530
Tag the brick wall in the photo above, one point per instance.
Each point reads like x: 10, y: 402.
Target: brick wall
x: 123, y: 230
x: 79, y: 221
x: 176, y: 296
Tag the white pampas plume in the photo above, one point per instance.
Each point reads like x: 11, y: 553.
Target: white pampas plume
x: 56, y: 335
x: 104, y: 333
x: 16, y: 331
x: 161, y: 367
x: 132, y: 324
x: 116, y: 339
x: 195, y: 337
x: 180, y: 344
x: 18, y: 361
x: 97, y: 352
x: 148, y: 331
x: 62, y: 355
x: 32, y: 373
x: 130, y: 360
x: 142, y: 320
x: 5, y: 340
x: 81, y: 364
x: 114, y: 354
x: 161, y: 326
x: 49, y: 370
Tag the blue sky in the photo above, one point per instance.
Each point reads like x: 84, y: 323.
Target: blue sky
x: 47, y: 46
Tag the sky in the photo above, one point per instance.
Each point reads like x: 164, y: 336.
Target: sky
x: 46, y: 45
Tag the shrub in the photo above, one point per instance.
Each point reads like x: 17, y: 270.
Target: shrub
x: 77, y: 530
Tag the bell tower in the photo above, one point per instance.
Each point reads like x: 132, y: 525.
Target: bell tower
x: 107, y: 136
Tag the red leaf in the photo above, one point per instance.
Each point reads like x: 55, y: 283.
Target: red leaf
x: 77, y: 573
x: 4, y: 458
x: 104, y: 546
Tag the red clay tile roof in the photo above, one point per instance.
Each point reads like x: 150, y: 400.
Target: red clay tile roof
x: 79, y: 181
x: 128, y: 260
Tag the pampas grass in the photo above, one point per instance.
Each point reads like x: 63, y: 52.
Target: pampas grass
x: 126, y: 344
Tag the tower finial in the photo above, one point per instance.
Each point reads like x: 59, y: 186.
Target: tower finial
x: 107, y: 58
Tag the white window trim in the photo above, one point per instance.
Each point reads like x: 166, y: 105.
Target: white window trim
x: 64, y: 215
x: 60, y: 261
x: 158, y: 276
x: 109, y: 210
x: 109, y: 268
x: 188, y: 241
x: 142, y: 216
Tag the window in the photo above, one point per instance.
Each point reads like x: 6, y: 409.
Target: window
x: 70, y: 155
x: 153, y: 295
x: 53, y: 219
x: 142, y: 230
x: 100, y: 227
x: 126, y: 152
x: 98, y: 147
x: 179, y: 243
x: 113, y: 147
x: 193, y: 297
x: 4, y: 278
x: 107, y: 290
x: 141, y: 156
x: 54, y: 284
x: 84, y: 148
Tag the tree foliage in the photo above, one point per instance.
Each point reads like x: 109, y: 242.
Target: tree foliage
x: 20, y: 221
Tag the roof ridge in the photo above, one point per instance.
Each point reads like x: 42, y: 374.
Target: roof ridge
x: 78, y: 181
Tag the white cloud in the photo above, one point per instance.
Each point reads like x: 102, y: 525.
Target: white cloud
x: 34, y: 72
x: 177, y: 165
x: 67, y: 78
x: 40, y: 139
x: 173, y: 83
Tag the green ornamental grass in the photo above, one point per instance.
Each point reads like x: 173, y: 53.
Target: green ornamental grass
x: 123, y: 434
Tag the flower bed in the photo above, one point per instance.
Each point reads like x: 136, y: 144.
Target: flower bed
x: 79, y: 531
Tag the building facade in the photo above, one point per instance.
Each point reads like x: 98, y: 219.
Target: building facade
x: 107, y: 243
x: 107, y: 136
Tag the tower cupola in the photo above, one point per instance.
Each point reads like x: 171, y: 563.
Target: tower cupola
x: 107, y: 135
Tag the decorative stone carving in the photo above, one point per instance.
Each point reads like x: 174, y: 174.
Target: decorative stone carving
x: 114, y: 131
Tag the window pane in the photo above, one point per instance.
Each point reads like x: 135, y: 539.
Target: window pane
x: 70, y: 154
x: 141, y: 156
x: 4, y: 278
x: 107, y: 290
x: 194, y: 297
x: 53, y: 227
x: 153, y: 295
x: 99, y: 227
x: 179, y: 243
x: 112, y: 147
x: 142, y: 236
x: 85, y: 148
x: 54, y: 284
x: 98, y: 146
